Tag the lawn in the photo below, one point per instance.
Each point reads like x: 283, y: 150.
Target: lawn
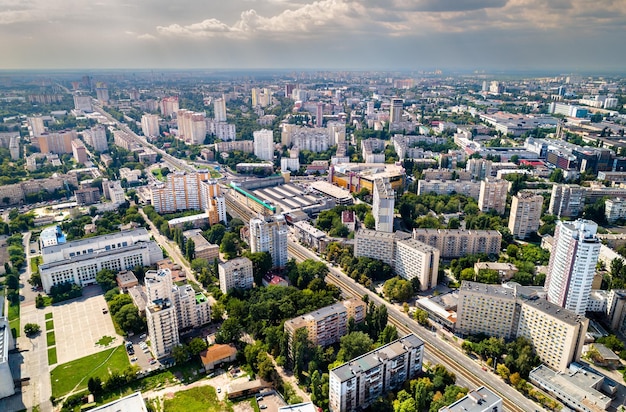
x: 51, y: 339
x: 201, y: 399
x: 48, y: 316
x: 14, y: 318
x: 65, y: 377
x: 52, y: 356
x: 49, y: 324
x: 105, y: 340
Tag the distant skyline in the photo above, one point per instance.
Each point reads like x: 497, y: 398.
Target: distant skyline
x: 519, y: 35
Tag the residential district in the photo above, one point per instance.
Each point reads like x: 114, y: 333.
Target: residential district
x: 312, y: 241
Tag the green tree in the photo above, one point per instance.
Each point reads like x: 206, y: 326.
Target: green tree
x: 118, y: 302
x: 197, y: 345
x: 31, y: 329
x: 398, y: 289
x: 106, y: 278
x: 180, y: 353
x: 190, y: 249
x: 129, y: 320
x: 369, y: 221
x: 261, y: 264
x: 94, y: 384
x: 353, y: 345
x: 229, y: 246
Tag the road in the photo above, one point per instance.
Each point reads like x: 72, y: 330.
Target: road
x: 443, y: 352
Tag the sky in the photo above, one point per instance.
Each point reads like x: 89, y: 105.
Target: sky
x: 570, y: 35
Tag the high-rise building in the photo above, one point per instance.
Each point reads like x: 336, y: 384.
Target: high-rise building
x: 319, y: 115
x: 493, y: 195
x: 567, y: 200
x: 377, y: 245
x: 269, y: 234
x: 255, y: 96
x: 83, y: 103
x: 169, y: 106
x: 57, y: 142
x: 102, y: 93
x: 161, y: 313
x: 150, y: 125
x: 573, y: 264
x: 192, y: 127
x: 479, y: 168
x: 615, y: 209
x: 219, y: 109
x: 327, y: 325
x: 358, y: 383
x: 190, y: 191
x: 414, y: 259
x: 236, y: 274
x: 557, y: 334
x: 264, y: 144
x: 96, y: 137
x: 383, y: 201
x: 526, y: 210
x: 36, y: 126
x: 396, y: 110
x: 79, y: 152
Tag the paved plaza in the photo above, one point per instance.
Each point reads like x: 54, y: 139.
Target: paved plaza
x: 80, y: 323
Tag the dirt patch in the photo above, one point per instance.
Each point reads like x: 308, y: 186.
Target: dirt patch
x: 244, y: 406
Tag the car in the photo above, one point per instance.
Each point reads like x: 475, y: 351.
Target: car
x: 105, y: 311
x: 259, y: 398
x: 133, y: 359
x: 262, y: 406
x: 219, y: 390
x: 32, y: 251
x: 153, y: 361
x: 142, y: 336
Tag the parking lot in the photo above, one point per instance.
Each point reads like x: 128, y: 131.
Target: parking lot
x: 142, y: 354
x: 80, y: 323
x: 270, y: 402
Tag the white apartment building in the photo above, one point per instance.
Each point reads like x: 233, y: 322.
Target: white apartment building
x: 414, y: 259
x: 290, y: 163
x: 224, y: 131
x: 150, y: 125
x: 396, y: 109
x: 193, y: 309
x: 169, y: 106
x: 79, y: 261
x: 161, y: 313
x: 479, y: 168
x: 377, y: 245
x: 327, y: 325
x: 269, y: 234
x: 83, y: 103
x: 96, y: 137
x: 488, y: 309
x: 264, y: 144
x: 36, y: 125
x: 219, y: 109
x: 7, y: 387
x: 567, y: 200
x: 572, y: 265
x: 113, y: 191
x: 358, y: 383
x: 615, y: 209
x: 526, y: 208
x: 493, y: 195
x: 236, y: 273
x: 383, y: 201
x: 192, y: 127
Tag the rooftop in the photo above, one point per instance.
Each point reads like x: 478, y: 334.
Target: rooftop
x: 88, y: 241
x: 130, y: 403
x: 477, y: 400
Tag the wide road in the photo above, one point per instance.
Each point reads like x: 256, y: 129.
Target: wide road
x: 443, y: 352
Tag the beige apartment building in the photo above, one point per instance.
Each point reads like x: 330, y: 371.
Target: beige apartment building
x: 454, y: 243
x: 488, y: 309
x: 414, y: 259
x: 236, y: 273
x: 493, y: 195
x: 327, y: 325
x: 525, y: 214
x: 377, y: 245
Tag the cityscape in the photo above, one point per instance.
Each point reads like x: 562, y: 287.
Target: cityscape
x: 312, y: 206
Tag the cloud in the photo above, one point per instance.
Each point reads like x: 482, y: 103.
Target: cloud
x: 146, y: 36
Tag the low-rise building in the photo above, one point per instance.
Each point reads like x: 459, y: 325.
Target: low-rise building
x: 478, y: 400
x: 126, y: 279
x: 217, y: 354
x: 202, y: 248
x: 615, y: 209
x: 131, y: 403
x: 358, y: 383
x: 505, y: 270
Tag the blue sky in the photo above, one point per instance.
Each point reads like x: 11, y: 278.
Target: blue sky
x: 573, y: 35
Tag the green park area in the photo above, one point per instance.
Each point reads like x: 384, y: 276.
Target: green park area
x: 201, y: 399
x: 73, y: 376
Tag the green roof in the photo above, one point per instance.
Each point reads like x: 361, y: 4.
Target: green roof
x: 253, y: 197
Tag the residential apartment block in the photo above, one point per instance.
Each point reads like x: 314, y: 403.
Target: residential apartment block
x: 572, y: 267
x: 414, y: 259
x: 202, y: 248
x: 454, y: 243
x: 96, y: 137
x: 264, y: 144
x: 615, y: 209
x: 377, y: 245
x: 235, y: 273
x: 446, y: 187
x: 526, y: 208
x: 269, y: 234
x: 493, y: 195
x: 567, y: 200
x: 190, y: 191
x: 327, y: 325
x: 479, y: 169
x: 359, y: 382
x: 192, y: 126
x: 79, y: 261
x: 557, y: 334
x: 245, y: 146
x: 56, y: 142
x: 150, y: 125
x: 383, y: 201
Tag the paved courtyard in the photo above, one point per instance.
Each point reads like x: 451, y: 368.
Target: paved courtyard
x: 79, y: 324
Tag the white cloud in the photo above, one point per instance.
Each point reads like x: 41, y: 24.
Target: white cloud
x: 146, y: 36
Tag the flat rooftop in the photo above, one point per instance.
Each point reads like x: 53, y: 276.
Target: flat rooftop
x: 475, y: 401
x: 130, y: 403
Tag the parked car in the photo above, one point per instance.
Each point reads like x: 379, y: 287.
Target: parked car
x: 262, y: 406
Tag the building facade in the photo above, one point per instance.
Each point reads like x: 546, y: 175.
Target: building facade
x: 161, y: 313
x: 235, y: 273
x: 192, y: 127
x: 454, y: 243
x: 525, y: 215
x: 492, y: 195
x: 150, y: 125
x: 383, y: 201
x: 573, y: 264
x: 96, y: 137
x: 447, y: 187
x: 264, y: 144
x: 414, y: 259
x: 567, y: 200
x: 269, y: 234
x: 359, y: 382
